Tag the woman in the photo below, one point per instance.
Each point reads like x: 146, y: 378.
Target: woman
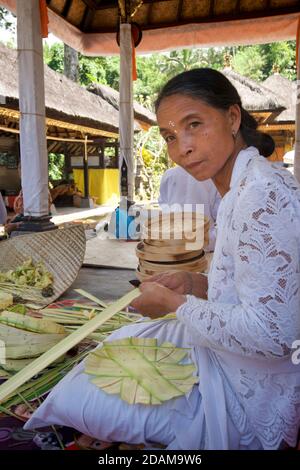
x: 241, y: 325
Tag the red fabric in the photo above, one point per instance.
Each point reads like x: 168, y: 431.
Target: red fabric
x: 134, y: 72
x: 10, y: 201
x: 44, y: 18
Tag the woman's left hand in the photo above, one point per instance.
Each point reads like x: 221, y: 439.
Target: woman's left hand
x: 156, y: 300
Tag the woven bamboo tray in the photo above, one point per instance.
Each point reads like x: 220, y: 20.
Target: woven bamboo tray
x: 144, y: 273
x: 186, y: 265
x: 62, y: 252
x: 160, y: 255
x: 172, y: 243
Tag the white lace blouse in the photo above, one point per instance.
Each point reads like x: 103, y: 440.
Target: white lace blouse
x: 252, y: 316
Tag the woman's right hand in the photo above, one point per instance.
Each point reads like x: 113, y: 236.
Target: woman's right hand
x: 182, y: 282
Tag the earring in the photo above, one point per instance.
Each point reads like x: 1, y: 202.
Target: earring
x: 234, y: 134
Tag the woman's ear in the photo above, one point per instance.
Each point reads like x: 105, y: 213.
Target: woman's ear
x: 235, y: 117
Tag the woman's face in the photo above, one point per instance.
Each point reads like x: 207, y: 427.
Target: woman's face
x: 199, y: 137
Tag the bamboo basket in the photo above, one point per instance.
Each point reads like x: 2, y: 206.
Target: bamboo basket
x: 62, y: 252
x: 168, y: 250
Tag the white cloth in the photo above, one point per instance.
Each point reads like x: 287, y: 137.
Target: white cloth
x: 252, y: 316
x: 3, y: 213
x: 178, y: 187
x: 179, y: 424
x: 248, y: 395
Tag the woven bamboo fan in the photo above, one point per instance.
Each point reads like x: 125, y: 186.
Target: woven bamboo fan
x: 62, y: 252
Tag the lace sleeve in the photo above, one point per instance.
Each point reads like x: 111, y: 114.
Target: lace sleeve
x: 263, y: 233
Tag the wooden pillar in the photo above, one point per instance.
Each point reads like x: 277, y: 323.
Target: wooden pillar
x: 34, y: 159
x: 126, y: 163
x: 86, y: 201
x: 68, y: 164
x: 86, y: 171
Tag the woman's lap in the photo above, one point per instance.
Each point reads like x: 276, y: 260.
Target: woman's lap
x: 77, y: 403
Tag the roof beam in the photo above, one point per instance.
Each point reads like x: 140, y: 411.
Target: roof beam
x: 238, y: 7
x: 93, y: 6
x: 179, y: 9
x: 108, y: 4
x: 66, y: 8
x: 87, y: 19
x: 48, y: 137
x: 149, y: 13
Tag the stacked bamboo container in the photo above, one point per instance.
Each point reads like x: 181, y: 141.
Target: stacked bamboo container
x: 172, y: 242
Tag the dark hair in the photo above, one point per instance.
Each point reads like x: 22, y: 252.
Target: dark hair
x: 216, y: 90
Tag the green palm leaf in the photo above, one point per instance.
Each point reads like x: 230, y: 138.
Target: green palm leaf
x: 140, y: 371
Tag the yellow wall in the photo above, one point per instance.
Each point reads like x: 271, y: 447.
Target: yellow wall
x: 103, y: 184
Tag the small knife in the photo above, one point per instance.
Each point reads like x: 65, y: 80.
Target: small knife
x: 135, y: 282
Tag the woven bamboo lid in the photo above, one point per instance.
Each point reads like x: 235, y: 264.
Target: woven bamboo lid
x: 175, y: 226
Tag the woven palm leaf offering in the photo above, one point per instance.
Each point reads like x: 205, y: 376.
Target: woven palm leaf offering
x: 40, y: 267
x: 27, y: 281
x: 23, y: 380
x: 140, y: 371
x: 172, y: 241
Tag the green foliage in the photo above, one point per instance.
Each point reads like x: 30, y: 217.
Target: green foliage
x: 7, y: 20
x: 258, y: 62
x: 281, y: 55
x: 56, y: 165
x: 54, y: 56
x: 250, y: 61
x: 151, y: 152
x: 91, y: 69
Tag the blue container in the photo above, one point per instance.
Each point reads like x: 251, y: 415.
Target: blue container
x: 125, y: 227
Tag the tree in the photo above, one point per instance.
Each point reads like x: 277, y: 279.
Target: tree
x: 281, y: 55
x: 55, y: 166
x: 71, y: 67
x: 251, y: 62
x: 7, y: 20
x: 54, y: 56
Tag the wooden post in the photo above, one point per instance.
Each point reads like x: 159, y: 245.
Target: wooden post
x: 86, y: 171
x: 126, y: 164
x: 68, y: 164
x: 86, y: 201
x: 34, y: 159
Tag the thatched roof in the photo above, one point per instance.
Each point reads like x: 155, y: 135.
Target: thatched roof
x: 64, y: 99
x: 110, y: 95
x: 255, y: 97
x: 287, y: 90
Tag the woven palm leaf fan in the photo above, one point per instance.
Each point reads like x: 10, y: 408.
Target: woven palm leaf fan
x: 61, y: 251
x: 140, y: 371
